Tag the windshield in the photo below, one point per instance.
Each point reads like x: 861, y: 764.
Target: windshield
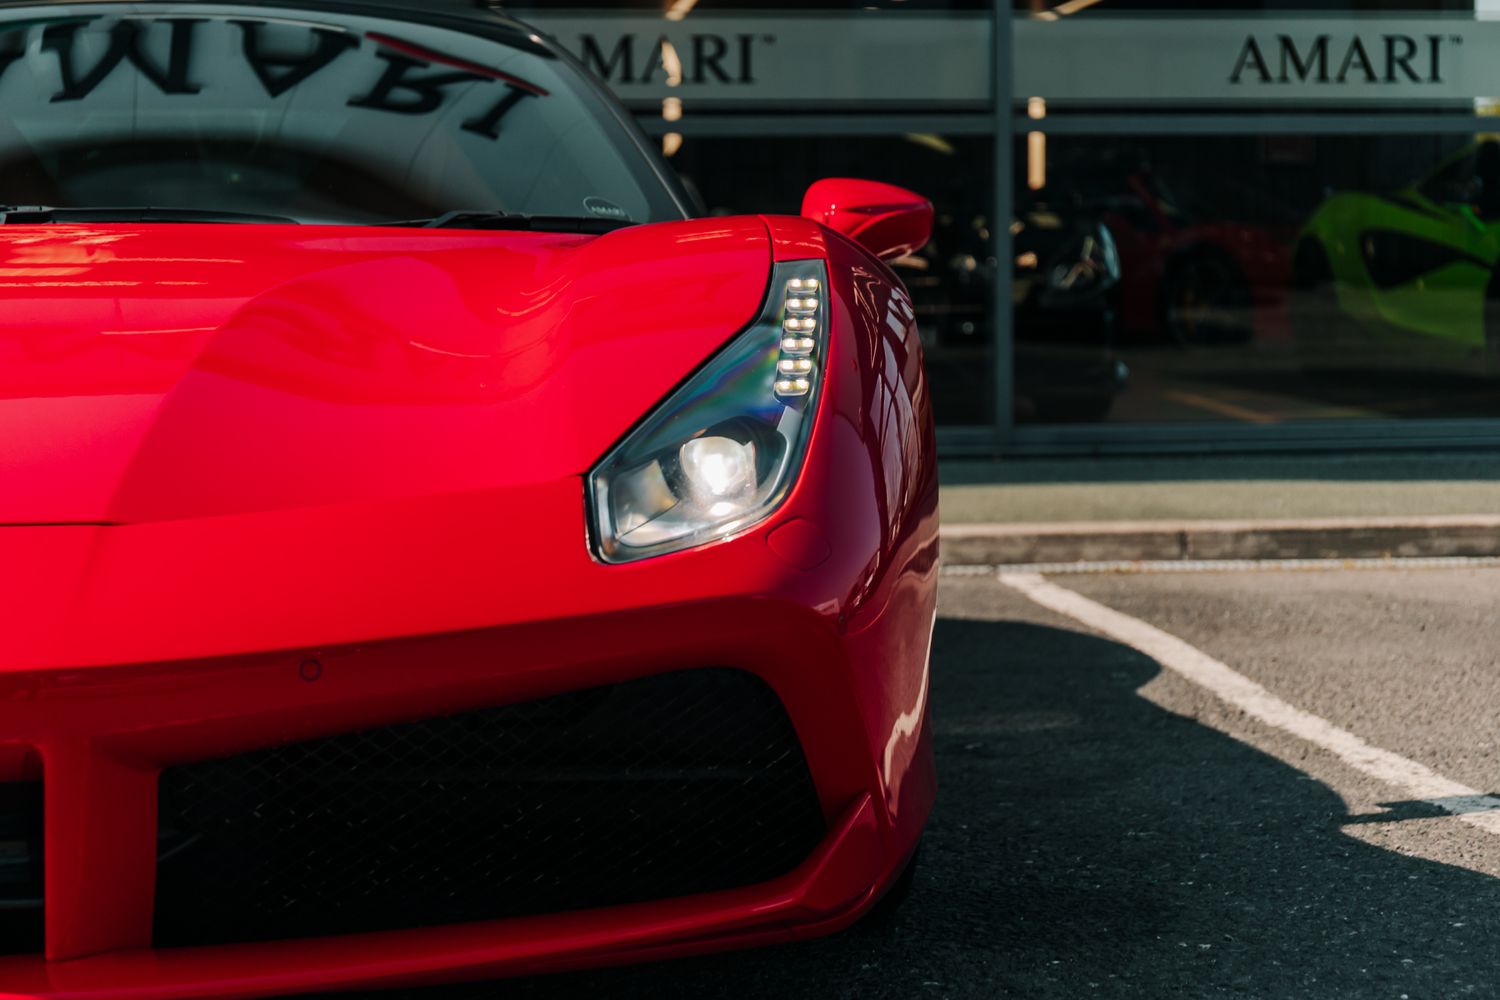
x: 302, y: 113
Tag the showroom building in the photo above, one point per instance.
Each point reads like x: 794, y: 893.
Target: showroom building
x: 1160, y: 226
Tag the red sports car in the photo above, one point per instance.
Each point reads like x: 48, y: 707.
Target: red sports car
x: 428, y: 553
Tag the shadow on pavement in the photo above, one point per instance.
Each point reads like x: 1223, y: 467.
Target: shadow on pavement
x: 1088, y: 843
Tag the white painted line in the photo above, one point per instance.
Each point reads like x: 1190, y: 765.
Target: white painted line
x: 1414, y: 780
x: 1229, y: 565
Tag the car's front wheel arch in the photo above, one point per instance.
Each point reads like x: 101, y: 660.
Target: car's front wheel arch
x: 1206, y: 298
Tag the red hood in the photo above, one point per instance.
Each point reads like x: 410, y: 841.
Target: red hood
x: 161, y: 372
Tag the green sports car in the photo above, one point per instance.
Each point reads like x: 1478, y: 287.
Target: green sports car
x: 1407, y: 279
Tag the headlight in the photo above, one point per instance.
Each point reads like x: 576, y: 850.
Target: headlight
x: 723, y: 451
x: 1088, y: 264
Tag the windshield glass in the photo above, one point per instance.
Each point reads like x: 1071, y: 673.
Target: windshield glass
x: 296, y: 111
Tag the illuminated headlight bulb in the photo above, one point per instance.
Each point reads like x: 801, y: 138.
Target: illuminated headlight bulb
x: 798, y: 346
x: 801, y: 324
x: 792, y: 367
x: 802, y: 307
x: 719, y: 471
x: 804, y: 286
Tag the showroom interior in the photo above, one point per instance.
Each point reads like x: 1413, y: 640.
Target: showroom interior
x: 1163, y: 182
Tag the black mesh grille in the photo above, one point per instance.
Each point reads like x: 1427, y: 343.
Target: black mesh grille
x: 673, y: 785
x: 20, y: 868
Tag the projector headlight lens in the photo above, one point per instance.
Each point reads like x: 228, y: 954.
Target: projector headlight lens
x: 722, y: 452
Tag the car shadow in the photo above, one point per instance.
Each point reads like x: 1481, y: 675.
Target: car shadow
x: 1089, y: 843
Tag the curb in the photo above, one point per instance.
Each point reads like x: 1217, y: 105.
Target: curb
x: 1455, y: 536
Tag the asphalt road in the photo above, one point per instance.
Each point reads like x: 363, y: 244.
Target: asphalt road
x: 1108, y: 828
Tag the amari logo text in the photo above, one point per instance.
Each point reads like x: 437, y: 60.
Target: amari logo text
x: 1355, y: 59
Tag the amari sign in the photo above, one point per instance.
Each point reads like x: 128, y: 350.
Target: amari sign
x: 859, y: 60
x: 1341, y: 60
x: 888, y: 60
x: 1220, y: 60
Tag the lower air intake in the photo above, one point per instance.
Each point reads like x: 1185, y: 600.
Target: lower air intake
x: 674, y: 785
x: 21, y: 926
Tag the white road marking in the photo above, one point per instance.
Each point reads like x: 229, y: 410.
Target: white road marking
x: 1228, y: 565
x: 1414, y: 780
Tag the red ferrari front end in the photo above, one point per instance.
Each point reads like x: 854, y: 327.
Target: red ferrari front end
x: 396, y: 602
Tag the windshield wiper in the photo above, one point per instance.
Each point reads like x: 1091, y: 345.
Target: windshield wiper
x: 32, y: 215
x: 517, y: 222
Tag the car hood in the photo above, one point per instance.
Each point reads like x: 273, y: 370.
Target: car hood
x: 165, y: 372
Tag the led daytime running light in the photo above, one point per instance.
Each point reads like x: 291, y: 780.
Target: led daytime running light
x: 801, y: 311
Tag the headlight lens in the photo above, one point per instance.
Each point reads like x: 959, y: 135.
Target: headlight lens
x: 1088, y: 264
x: 722, y: 452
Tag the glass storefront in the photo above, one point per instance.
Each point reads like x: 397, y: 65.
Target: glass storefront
x: 1277, y: 278
x: 1265, y: 224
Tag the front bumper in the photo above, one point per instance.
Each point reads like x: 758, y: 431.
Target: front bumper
x: 137, y: 648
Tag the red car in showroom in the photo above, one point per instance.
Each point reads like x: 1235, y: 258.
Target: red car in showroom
x: 429, y: 553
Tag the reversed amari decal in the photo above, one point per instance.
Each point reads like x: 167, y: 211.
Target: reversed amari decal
x: 401, y: 77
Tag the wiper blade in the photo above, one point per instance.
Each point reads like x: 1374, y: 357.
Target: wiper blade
x: 517, y: 222
x: 32, y: 215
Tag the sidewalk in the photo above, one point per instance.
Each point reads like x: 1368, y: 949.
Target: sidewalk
x: 1242, y: 507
